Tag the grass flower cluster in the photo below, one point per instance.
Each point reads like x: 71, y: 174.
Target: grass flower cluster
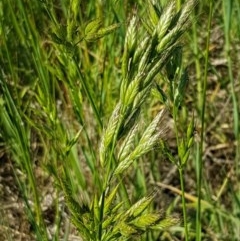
x: 93, y: 99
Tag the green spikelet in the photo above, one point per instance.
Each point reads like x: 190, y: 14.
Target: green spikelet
x: 127, y: 230
x: 166, y: 223
x: 139, y: 207
x: 146, y: 220
x: 94, y: 31
x: 109, y: 199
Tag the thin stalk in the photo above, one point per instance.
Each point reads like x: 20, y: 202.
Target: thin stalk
x: 227, y: 11
x: 227, y: 17
x: 197, y: 64
x: 200, y: 152
x: 101, y: 215
x: 89, y: 95
x: 181, y: 176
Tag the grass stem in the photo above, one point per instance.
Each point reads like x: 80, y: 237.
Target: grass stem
x: 200, y: 151
x: 181, y: 177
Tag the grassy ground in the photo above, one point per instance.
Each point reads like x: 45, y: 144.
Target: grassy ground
x: 115, y: 127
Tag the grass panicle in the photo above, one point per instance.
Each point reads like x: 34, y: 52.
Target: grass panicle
x: 101, y: 102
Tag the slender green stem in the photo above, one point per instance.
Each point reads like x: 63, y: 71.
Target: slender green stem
x: 200, y: 151
x: 181, y: 176
x: 89, y: 95
x: 227, y: 12
x: 197, y: 65
x: 101, y: 215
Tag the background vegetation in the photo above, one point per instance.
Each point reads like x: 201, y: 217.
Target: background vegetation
x: 83, y: 157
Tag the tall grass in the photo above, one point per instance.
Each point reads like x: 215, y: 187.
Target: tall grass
x: 88, y: 90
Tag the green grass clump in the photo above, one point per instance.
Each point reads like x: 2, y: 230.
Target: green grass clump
x: 111, y: 108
